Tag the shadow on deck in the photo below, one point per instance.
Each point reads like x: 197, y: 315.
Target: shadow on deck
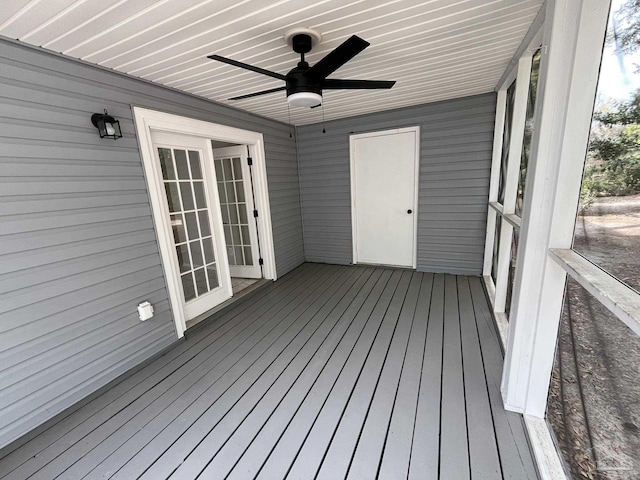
x: 333, y: 372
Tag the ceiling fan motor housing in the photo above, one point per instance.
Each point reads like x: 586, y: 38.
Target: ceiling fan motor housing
x: 298, y: 82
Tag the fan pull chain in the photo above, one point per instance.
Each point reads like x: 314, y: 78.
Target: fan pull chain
x: 289, y: 111
x: 323, y: 129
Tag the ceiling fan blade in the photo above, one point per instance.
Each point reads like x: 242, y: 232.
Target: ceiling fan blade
x: 263, y: 92
x: 335, y: 84
x: 338, y: 57
x: 246, y: 66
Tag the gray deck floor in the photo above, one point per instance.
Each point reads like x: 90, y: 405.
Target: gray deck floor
x: 331, y: 372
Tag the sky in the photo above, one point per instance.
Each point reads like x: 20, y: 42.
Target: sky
x: 618, y: 73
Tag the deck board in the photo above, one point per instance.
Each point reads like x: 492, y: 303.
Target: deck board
x: 334, y: 372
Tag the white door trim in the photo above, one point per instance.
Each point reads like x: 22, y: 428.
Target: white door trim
x: 147, y: 120
x: 395, y: 131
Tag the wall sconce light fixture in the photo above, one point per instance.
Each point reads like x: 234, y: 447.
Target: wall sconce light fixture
x: 108, y: 126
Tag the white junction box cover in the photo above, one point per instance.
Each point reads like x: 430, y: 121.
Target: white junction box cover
x: 145, y: 309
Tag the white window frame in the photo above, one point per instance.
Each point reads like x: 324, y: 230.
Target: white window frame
x: 147, y: 120
x: 505, y: 213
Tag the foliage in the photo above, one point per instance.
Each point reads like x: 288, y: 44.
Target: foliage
x: 613, y: 161
x: 626, y: 33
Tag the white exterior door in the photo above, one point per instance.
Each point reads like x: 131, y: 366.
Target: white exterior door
x: 236, y: 201
x: 193, y: 211
x: 384, y: 172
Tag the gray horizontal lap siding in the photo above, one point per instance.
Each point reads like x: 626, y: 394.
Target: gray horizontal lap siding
x: 78, y: 249
x: 455, y: 159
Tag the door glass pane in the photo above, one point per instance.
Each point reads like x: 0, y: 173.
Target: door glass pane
x: 194, y: 163
x: 607, y: 230
x: 231, y: 191
x: 191, y: 228
x: 506, y: 137
x: 198, y: 188
x: 528, y: 131
x: 181, y: 164
x: 203, y: 218
x: 187, y: 196
x: 166, y: 163
x: 179, y: 233
x: 201, y: 281
x: 192, y: 225
x: 173, y: 198
x: 188, y: 287
x: 212, y: 276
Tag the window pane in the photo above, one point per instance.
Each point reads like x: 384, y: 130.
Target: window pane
x: 183, y: 258
x: 194, y: 161
x: 207, y: 244
x: 187, y: 196
x: 212, y: 274
x: 226, y: 167
x: 225, y: 214
x: 242, y: 211
x: 233, y: 214
x: 231, y: 255
x: 177, y: 225
x: 528, y: 131
x: 173, y: 198
x: 188, y: 287
x: 192, y: 226
x: 196, y: 254
x: 201, y: 281
x: 239, y: 256
x: 181, y: 164
x: 506, y: 137
x: 248, y: 258
x: 205, y: 231
x: 231, y: 192
x: 198, y: 188
x: 218, y: 167
x: 237, y: 169
x: 608, y: 225
x: 222, y: 193
x: 593, y: 402
x: 240, y: 192
x: 166, y: 164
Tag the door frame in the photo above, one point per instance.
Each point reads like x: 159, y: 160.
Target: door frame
x: 146, y: 120
x: 354, y: 213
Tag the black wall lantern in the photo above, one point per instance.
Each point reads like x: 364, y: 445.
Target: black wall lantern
x: 108, y: 126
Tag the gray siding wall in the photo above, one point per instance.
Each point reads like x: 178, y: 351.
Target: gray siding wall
x: 455, y: 161
x: 78, y: 250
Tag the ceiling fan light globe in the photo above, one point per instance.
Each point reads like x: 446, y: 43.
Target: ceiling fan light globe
x: 304, y: 99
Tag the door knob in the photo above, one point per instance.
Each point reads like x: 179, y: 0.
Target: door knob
x: 409, y: 211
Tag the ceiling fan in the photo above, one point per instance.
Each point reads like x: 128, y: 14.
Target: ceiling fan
x: 304, y: 83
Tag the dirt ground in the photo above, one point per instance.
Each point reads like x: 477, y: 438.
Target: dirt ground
x: 594, y: 402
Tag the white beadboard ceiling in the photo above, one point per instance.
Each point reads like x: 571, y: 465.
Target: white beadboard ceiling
x: 434, y: 49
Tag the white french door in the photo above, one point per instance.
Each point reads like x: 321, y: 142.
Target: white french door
x: 237, y: 207
x: 384, y: 172
x: 193, y: 211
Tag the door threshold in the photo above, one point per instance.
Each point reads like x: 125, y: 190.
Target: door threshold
x: 236, y: 298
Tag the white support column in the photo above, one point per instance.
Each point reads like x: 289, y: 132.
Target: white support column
x: 574, y: 35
